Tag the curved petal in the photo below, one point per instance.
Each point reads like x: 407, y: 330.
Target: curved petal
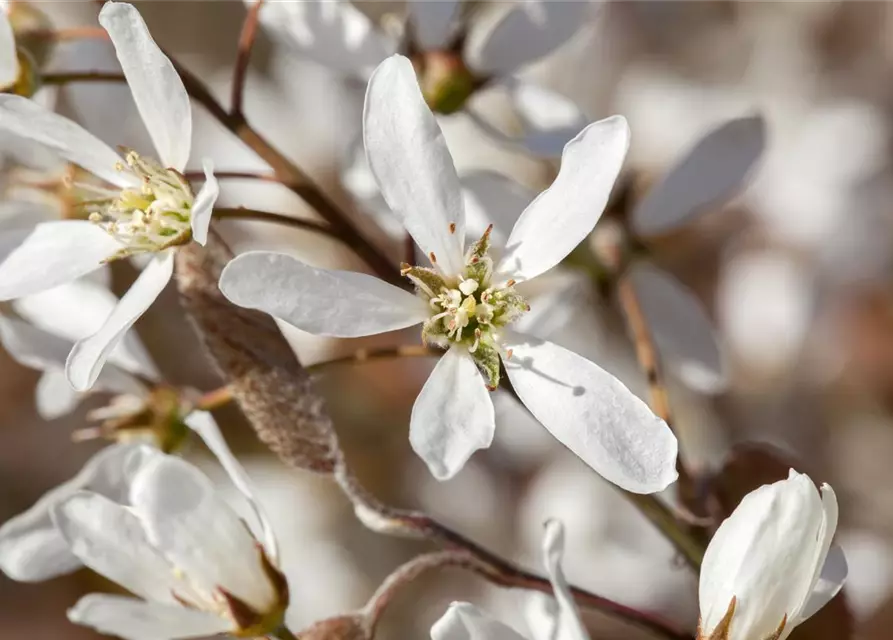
x: 681, y: 328
x: 198, y: 531
x: 204, y: 425
x: 492, y: 198
x: 593, y: 414
x: 203, y: 206
x: 109, y: 539
x: 564, y: 214
x: 464, y: 621
x: 9, y: 57
x: 86, y: 360
x: 50, y: 254
x: 412, y: 165
x: 53, y: 396
x: 333, y: 32
x: 26, y: 119
x: 568, y: 625
x: 830, y: 565
x: 453, y: 416
x: 432, y: 21
x: 526, y: 32
x: 342, y: 304
x: 764, y: 555
x: 707, y: 175
x: 133, y: 619
x: 157, y: 89
x: 31, y: 548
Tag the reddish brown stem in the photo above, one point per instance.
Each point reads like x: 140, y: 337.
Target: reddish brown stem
x: 246, y: 43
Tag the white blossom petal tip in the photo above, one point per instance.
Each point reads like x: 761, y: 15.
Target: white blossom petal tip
x: 593, y: 414
x: 567, y: 624
x: 204, y: 203
x: 464, y: 621
x: 342, y: 304
x: 9, y: 59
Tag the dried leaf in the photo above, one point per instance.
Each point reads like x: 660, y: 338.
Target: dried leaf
x: 268, y: 382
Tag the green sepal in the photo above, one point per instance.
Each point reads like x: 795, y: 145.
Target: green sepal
x: 486, y: 357
x: 424, y: 275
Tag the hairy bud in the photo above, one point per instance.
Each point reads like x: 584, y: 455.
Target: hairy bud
x: 347, y: 627
x: 271, y: 387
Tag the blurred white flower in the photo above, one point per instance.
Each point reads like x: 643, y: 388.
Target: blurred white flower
x: 149, y: 209
x: 560, y: 621
x: 771, y: 564
x: 466, y: 299
x: 9, y: 56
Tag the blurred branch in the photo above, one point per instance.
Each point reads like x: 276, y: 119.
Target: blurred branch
x: 381, y: 353
x: 246, y: 43
x: 241, y: 213
x: 238, y: 175
x: 65, y: 77
x: 397, y: 522
x: 70, y: 33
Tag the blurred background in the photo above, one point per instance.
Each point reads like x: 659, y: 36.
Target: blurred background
x: 793, y: 272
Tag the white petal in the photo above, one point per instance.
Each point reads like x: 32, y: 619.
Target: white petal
x: 593, y: 414
x: 203, y: 206
x: 50, y: 254
x: 464, y: 621
x: 77, y: 309
x: 157, y: 90
x: 680, y: 327
x: 204, y: 425
x: 31, y: 548
x: 198, y: 531
x: 18, y: 214
x: 89, y: 355
x: 342, y: 304
x: 9, y: 59
x: 333, y: 32
x: 54, y: 397
x: 528, y: 31
x: 709, y: 173
x: 453, y: 416
x: 26, y: 119
x: 569, y: 625
x: 565, y: 213
x: 830, y: 566
x: 491, y: 198
x: 109, y: 539
x: 133, y: 619
x: 432, y: 21
x: 412, y: 165
x: 765, y: 555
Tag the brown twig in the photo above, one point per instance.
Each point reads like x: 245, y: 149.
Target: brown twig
x: 246, y: 43
x: 65, y: 77
x: 242, y: 213
x: 381, y: 353
x: 235, y: 175
x: 70, y: 33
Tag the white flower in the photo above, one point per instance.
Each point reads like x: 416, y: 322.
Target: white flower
x: 771, y: 564
x: 583, y: 406
x: 560, y: 620
x: 9, y: 55
x: 149, y: 208
x: 155, y: 525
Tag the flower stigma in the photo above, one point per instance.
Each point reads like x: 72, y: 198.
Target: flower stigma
x: 469, y: 309
x: 147, y: 218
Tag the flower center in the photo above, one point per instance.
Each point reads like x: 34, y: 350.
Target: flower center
x: 151, y: 217
x: 469, y: 309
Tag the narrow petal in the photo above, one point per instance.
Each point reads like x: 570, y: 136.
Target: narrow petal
x: 593, y: 414
x: 204, y: 425
x: 765, y: 556
x: 432, y: 21
x: 342, y: 304
x: 9, y: 59
x: 50, y: 254
x: 133, y: 619
x: 707, y: 175
x: 453, y: 416
x: 204, y: 203
x: 464, y: 621
x: 492, y: 198
x: 564, y: 214
x: 26, y: 119
x: 157, y: 89
x: 526, y: 32
x: 31, y: 548
x: 89, y: 355
x: 109, y: 539
x: 54, y: 397
x: 412, y: 165
x: 681, y: 328
x: 833, y: 575
x: 333, y: 32
x: 199, y: 532
x: 569, y: 626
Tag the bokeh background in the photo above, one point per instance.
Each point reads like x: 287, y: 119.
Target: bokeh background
x: 794, y: 272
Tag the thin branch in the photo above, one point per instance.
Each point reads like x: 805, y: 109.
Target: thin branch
x: 214, y: 399
x: 246, y: 43
x: 241, y: 213
x: 381, y: 353
x: 70, y: 33
x: 235, y: 175
x: 390, y: 521
x: 65, y: 77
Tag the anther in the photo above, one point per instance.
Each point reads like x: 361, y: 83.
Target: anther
x: 510, y: 283
x: 432, y: 257
x: 508, y: 354
x: 452, y: 227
